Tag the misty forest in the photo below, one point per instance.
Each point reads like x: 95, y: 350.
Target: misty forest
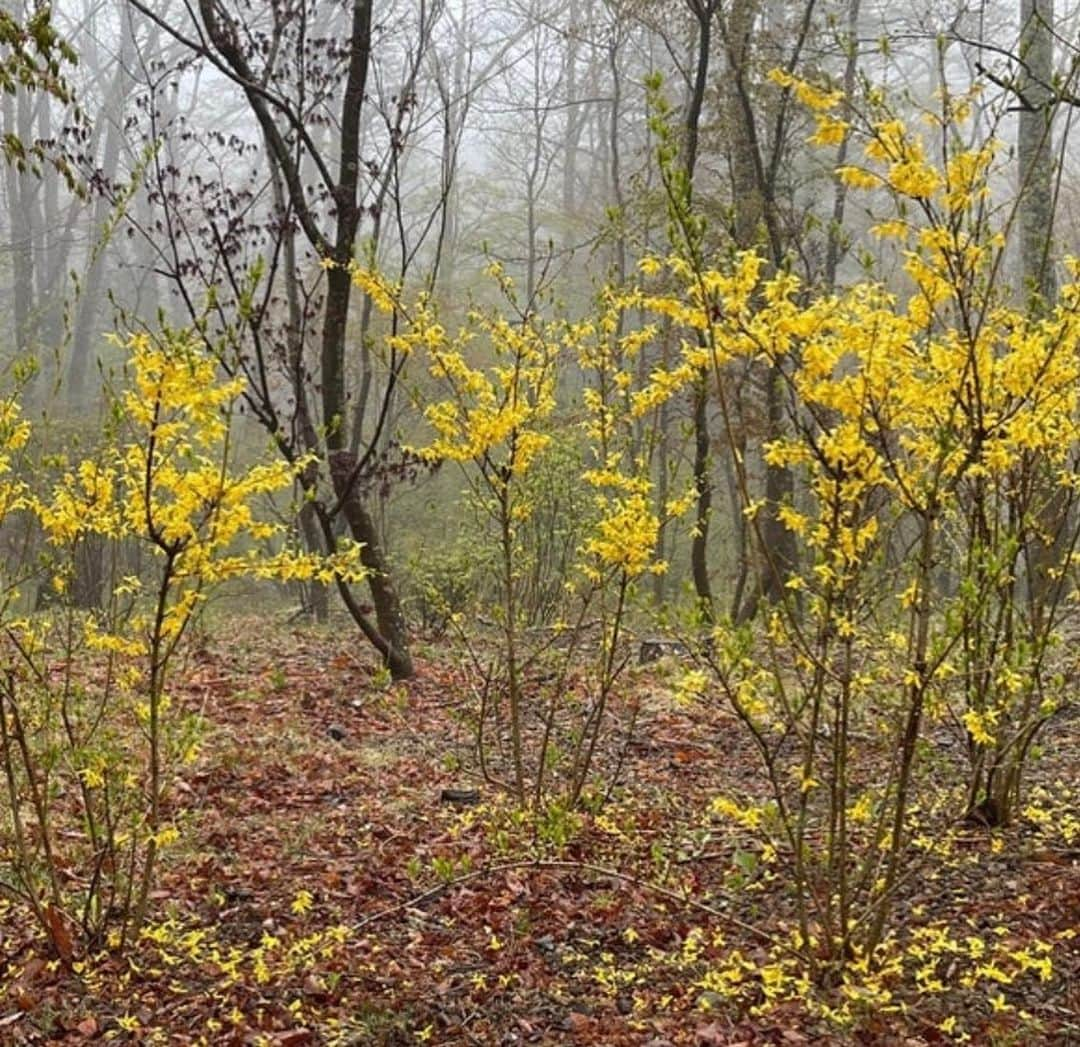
x: 539, y: 521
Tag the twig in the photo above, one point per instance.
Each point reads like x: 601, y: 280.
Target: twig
x: 572, y: 866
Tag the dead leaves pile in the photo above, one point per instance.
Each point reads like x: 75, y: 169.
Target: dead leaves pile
x: 321, y: 893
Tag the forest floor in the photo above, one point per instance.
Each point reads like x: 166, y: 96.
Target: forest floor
x: 323, y: 891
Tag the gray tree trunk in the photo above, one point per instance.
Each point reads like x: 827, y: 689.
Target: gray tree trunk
x: 1034, y: 149
x: 703, y: 11
x: 1035, y: 223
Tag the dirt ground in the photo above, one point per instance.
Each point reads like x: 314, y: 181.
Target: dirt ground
x: 324, y: 890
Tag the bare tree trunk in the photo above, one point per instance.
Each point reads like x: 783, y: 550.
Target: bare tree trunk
x: 1035, y: 222
x: 388, y: 614
x: 616, y: 161
x: 54, y: 249
x: 574, y: 122
x: 699, y: 559
x: 1034, y: 149
x: 22, y: 262
x: 756, y: 218
x: 344, y: 188
x: 834, y: 245
x: 91, y: 291
x: 703, y: 11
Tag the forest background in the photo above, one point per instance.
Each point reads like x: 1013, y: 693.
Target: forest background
x: 601, y: 379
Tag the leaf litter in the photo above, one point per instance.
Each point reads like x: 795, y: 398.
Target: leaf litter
x: 322, y: 893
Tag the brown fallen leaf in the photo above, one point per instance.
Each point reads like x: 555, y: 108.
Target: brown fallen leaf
x: 710, y: 1034
x: 578, y: 1023
x: 294, y: 1038
x: 59, y: 933
x: 88, y: 1027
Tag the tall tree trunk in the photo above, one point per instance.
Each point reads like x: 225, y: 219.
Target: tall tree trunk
x: 343, y: 186
x: 703, y: 485
x: 703, y: 11
x: 756, y: 219
x: 1035, y: 221
x: 89, y: 309
x: 574, y: 122
x: 53, y: 241
x: 1034, y: 149
x: 616, y: 161
x: 22, y: 253
x: 835, y: 233
x: 388, y: 613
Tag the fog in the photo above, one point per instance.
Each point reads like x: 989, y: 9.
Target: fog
x: 225, y: 162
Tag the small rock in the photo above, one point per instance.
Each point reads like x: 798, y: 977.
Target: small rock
x: 337, y: 732
x: 461, y: 797
x: 654, y: 649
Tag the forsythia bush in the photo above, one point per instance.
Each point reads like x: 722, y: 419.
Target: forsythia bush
x: 498, y: 379
x: 89, y: 733
x: 935, y: 434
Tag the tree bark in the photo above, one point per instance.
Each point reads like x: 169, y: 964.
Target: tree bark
x: 1034, y: 149
x: 703, y: 11
x: 757, y: 221
x: 90, y: 296
x: 1035, y: 222
x: 388, y: 613
x: 344, y: 189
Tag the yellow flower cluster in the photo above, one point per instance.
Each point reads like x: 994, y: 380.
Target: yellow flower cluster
x: 626, y: 535
x: 495, y: 415
x: 499, y: 378
x: 169, y: 483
